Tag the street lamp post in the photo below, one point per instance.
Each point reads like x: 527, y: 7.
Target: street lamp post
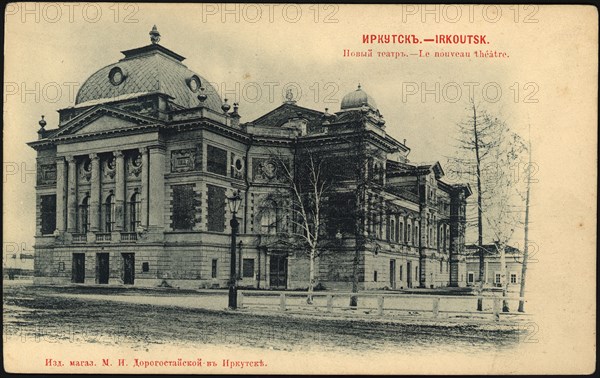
x: 234, y: 203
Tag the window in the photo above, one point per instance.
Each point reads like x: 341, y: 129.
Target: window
x: 431, y: 243
x: 497, y: 278
x: 84, y: 218
x: 183, y: 207
x: 48, y: 212
x: 441, y: 266
x: 416, y: 238
x: 248, y: 268
x: 216, y: 208
x: 400, y: 270
x: 513, y: 278
x: 401, y: 232
x: 109, y: 213
x: 392, y: 229
x: 145, y: 267
x: 408, y: 233
x: 269, y: 219
x: 216, y: 160
x: 134, y: 212
x: 470, y: 277
x: 214, y: 268
x: 375, y: 276
x: 416, y: 273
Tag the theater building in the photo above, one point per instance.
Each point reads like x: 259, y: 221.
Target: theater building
x: 133, y: 182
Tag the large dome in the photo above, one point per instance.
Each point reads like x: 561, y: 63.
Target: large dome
x: 357, y: 99
x: 148, y: 69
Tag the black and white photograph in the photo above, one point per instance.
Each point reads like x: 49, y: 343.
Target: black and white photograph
x: 211, y: 188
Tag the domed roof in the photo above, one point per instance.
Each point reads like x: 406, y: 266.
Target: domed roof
x: 356, y: 99
x: 148, y: 69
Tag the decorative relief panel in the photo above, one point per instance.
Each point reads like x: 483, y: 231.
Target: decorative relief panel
x: 186, y: 160
x: 134, y: 165
x: 268, y: 170
x: 109, y: 168
x: 46, y: 174
x: 85, y: 170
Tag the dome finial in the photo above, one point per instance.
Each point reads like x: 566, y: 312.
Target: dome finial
x: 42, y: 123
x: 289, y: 97
x: 154, y: 35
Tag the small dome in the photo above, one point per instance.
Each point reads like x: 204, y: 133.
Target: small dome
x: 357, y: 99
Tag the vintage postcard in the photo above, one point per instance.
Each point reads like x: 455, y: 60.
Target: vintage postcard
x: 299, y: 188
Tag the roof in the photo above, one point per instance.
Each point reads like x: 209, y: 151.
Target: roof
x: 287, y: 111
x: 491, y: 249
x: 151, y: 68
x: 357, y: 99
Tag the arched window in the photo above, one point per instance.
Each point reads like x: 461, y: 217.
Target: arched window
x: 84, y: 218
x: 109, y: 213
x: 134, y: 212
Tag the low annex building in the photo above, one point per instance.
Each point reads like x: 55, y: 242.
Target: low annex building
x: 132, y: 189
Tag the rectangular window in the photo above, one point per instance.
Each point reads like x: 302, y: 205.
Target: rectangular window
x: 513, y: 278
x: 213, y: 273
x: 216, y: 208
x: 497, y: 278
x: 145, y: 267
x: 216, y: 160
x: 375, y: 276
x: 48, y: 213
x: 401, y: 268
x: 470, y: 277
x: 183, y: 207
x: 248, y: 268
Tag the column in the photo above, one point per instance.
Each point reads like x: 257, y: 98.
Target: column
x: 72, y: 196
x: 144, y: 192
x: 94, y: 212
x: 156, y: 189
x: 119, y: 190
x: 61, y: 194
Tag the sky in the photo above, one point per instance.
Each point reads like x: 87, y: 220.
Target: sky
x: 253, y: 53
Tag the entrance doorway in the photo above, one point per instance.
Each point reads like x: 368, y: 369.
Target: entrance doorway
x: 102, y: 268
x: 128, y: 268
x: 78, y: 268
x: 278, y: 272
x: 393, y: 274
x: 409, y: 274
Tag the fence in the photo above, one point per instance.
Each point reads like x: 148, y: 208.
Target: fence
x: 436, y: 306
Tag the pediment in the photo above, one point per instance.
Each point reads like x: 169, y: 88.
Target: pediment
x: 103, y: 124
x: 102, y: 120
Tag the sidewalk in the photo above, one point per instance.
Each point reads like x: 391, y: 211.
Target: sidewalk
x: 216, y: 300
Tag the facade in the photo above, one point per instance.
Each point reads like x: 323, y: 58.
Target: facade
x: 132, y: 189
x: 513, y: 259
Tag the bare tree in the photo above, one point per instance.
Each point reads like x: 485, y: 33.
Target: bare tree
x: 486, y: 153
x: 306, y: 188
x: 525, y: 246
